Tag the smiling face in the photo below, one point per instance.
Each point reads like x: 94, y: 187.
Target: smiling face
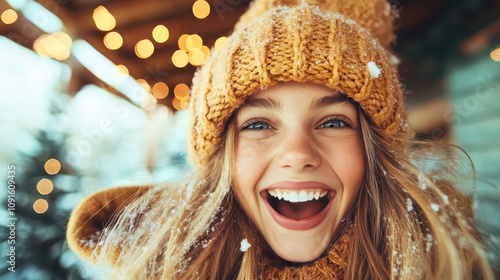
x: 299, y: 165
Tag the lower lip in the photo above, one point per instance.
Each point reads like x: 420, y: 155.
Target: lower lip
x: 302, y: 224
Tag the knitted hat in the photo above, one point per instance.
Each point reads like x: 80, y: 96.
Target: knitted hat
x: 342, y: 45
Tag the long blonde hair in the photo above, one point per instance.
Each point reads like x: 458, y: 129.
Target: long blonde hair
x: 408, y: 224
x: 411, y: 221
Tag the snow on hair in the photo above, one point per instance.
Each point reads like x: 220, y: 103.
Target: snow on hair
x: 196, y: 228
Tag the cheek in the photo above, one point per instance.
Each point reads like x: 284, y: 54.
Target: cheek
x: 357, y: 162
x: 353, y: 176
x: 248, y: 169
x: 349, y: 164
x: 244, y: 157
x: 247, y: 160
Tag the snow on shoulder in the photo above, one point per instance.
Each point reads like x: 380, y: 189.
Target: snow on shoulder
x: 244, y: 245
x: 373, y: 69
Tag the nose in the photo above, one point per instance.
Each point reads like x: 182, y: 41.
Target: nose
x: 298, y: 152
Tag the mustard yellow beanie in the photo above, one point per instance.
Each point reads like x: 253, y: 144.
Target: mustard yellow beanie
x: 343, y: 45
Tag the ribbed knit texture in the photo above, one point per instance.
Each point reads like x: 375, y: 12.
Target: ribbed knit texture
x: 332, y: 266
x: 302, y: 43
x: 373, y: 15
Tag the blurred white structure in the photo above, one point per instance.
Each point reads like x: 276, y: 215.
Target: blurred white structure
x: 474, y: 90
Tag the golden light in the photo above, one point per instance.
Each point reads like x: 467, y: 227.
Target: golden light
x: 160, y: 90
x: 184, y: 102
x: 63, y: 45
x: 144, y: 48
x: 113, y: 40
x: 62, y: 53
x: 180, y: 58
x: 194, y: 42
x: 45, y: 186
x: 495, y: 54
x: 180, y: 103
x: 220, y: 42
x: 206, y: 52
x: 182, y: 42
x: 176, y: 103
x: 40, y: 45
x: 9, y: 16
x: 40, y: 206
x: 63, y: 39
x: 196, y: 57
x: 52, y: 166
x: 201, y: 9
x: 103, y: 19
x: 181, y: 91
x: 56, y: 45
x: 123, y: 69
x: 144, y: 84
x: 160, y: 33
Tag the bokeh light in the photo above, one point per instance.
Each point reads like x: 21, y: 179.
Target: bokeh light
x: 180, y: 103
x: 181, y: 91
x: 184, y: 102
x: 122, y: 68
x: 495, y: 54
x: 144, y: 48
x: 181, y: 42
x: 56, y: 45
x: 160, y: 33
x: 103, y: 19
x: 194, y: 42
x: 201, y: 9
x: 206, y: 51
x: 45, y: 186
x: 52, y: 166
x: 196, y: 57
x: 160, y: 90
x: 176, y: 103
x: 9, y: 16
x: 40, y: 206
x: 113, y: 40
x: 180, y: 58
x: 220, y: 42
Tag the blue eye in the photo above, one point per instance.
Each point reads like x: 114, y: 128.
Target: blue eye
x: 334, y: 123
x: 257, y: 125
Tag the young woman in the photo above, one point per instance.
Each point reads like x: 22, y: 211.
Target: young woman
x: 305, y: 168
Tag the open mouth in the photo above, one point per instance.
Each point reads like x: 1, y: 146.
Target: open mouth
x: 297, y: 205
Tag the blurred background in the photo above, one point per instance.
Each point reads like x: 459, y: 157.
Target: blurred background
x: 93, y: 92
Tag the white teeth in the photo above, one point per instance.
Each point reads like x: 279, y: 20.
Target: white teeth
x: 310, y: 196
x: 302, y: 196
x: 317, y: 195
x: 280, y: 195
x: 294, y: 196
x: 286, y: 196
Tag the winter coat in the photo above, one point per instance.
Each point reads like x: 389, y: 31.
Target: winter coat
x: 91, y: 217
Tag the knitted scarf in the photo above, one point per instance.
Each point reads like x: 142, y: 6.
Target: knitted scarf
x: 331, y: 265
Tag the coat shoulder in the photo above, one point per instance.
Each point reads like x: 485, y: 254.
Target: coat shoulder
x: 94, y: 214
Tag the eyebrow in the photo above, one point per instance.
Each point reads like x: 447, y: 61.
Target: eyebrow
x: 268, y: 103
x: 338, y: 98
x: 325, y: 101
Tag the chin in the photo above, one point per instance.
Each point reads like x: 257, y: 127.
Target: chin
x: 297, y: 258
x: 300, y: 249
